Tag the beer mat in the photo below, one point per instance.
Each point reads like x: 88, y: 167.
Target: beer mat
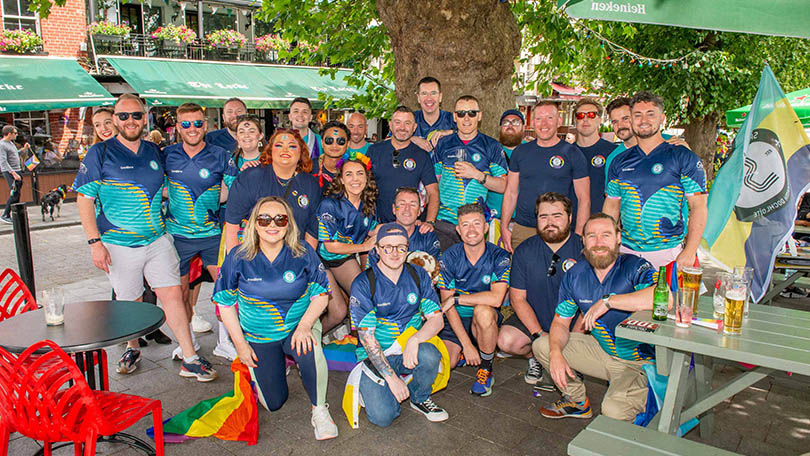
x: 639, y: 325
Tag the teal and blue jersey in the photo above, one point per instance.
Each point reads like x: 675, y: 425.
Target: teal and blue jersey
x: 195, y: 186
x: 457, y: 274
x: 240, y: 160
x: 398, y: 168
x: 620, y: 147
x: 395, y: 306
x: 495, y: 199
x: 340, y: 221
x: 653, y: 190
x: 272, y: 295
x: 363, y: 150
x: 417, y: 242
x: 596, y: 157
x: 223, y: 139
x: 424, y: 129
x: 483, y: 152
x: 127, y: 189
x: 580, y: 289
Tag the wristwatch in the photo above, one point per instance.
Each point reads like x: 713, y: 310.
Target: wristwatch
x: 483, y: 179
x: 455, y: 300
x: 431, y: 223
x: 93, y: 241
x: 606, y: 300
x: 536, y: 335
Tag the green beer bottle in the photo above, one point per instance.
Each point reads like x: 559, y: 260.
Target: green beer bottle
x: 661, y: 296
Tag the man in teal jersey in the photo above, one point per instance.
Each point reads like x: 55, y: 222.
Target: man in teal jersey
x: 358, y: 128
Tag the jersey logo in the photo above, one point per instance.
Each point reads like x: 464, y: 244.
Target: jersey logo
x: 82, y: 168
x: 365, y: 221
x: 486, y: 279
x: 327, y: 218
x: 409, y: 164
x: 204, y: 173
x: 353, y: 301
x: 303, y: 201
x: 657, y: 168
x: 476, y: 157
x: 321, y: 267
x: 289, y: 276
x: 568, y: 264
x: 765, y: 185
x: 598, y: 161
x: 556, y: 162
x: 231, y: 162
x: 153, y: 164
x: 411, y: 298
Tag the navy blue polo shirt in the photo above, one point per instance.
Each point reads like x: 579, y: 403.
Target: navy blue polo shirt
x: 414, y: 166
x: 127, y: 189
x: 339, y: 220
x: 596, y: 157
x: 423, y: 129
x: 253, y: 184
x: 581, y: 289
x: 530, y: 267
x: 458, y: 274
x: 545, y: 169
x: 222, y: 138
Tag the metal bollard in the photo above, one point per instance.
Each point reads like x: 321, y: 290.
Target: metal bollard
x: 22, y: 242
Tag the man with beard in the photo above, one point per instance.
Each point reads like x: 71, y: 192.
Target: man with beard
x: 538, y: 267
x: 199, y: 175
x: 607, y: 288
x: 301, y: 116
x: 587, y: 118
x: 431, y: 122
x: 546, y: 165
x: 510, y: 136
x: 120, y: 186
x: 648, y: 186
x: 401, y: 163
x: 226, y: 137
x: 358, y: 127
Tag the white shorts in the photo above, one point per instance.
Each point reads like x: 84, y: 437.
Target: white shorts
x: 158, y: 262
x: 657, y: 258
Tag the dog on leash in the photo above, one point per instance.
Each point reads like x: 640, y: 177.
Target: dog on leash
x: 53, y: 200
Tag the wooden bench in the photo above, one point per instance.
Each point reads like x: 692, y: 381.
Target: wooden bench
x: 608, y: 436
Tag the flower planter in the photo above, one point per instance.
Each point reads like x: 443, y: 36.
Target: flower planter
x: 173, y: 48
x: 108, y: 44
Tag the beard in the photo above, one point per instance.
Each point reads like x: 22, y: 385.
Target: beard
x: 646, y: 135
x: 232, y: 125
x: 510, y: 139
x: 624, y: 134
x: 134, y: 137
x: 601, y: 262
x: 555, y: 236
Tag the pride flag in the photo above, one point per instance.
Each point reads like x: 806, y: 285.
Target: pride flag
x: 752, y: 203
x: 32, y: 162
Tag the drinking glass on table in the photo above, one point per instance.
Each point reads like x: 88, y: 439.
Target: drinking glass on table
x: 684, y: 307
x: 721, y: 281
x: 736, y: 295
x: 692, y: 276
x: 748, y: 274
x: 53, y: 303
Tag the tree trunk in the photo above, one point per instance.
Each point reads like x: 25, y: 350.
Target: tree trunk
x: 470, y: 46
x: 701, y: 134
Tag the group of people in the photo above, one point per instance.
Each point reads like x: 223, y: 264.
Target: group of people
x: 313, y: 230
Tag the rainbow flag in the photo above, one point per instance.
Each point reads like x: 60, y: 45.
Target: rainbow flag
x: 232, y: 416
x: 341, y: 354
x: 32, y: 162
x: 754, y: 195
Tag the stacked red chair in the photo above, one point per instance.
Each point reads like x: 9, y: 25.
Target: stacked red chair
x: 15, y: 298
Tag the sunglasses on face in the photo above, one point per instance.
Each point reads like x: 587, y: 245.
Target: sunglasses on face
x: 395, y: 158
x: 469, y: 112
x: 513, y: 123
x: 389, y: 249
x: 552, y: 268
x: 329, y: 141
x: 589, y: 114
x: 124, y: 116
x: 186, y: 124
x: 264, y: 220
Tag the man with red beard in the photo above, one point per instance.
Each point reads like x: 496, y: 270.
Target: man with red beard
x: 511, y: 136
x: 538, y: 267
x: 606, y: 289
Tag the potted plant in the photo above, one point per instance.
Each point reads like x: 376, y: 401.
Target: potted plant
x: 268, y: 46
x: 19, y: 41
x: 174, y: 38
x: 108, y: 31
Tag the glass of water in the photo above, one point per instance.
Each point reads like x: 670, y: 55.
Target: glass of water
x: 53, y: 303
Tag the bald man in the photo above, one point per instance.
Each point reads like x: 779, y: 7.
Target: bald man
x: 358, y: 127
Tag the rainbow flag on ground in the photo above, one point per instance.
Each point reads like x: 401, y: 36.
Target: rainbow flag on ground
x: 232, y: 416
x: 32, y: 162
x: 341, y: 354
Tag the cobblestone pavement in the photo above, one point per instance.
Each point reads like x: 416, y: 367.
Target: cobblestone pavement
x: 770, y: 418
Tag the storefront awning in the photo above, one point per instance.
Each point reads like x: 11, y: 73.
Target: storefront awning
x: 40, y: 83
x: 166, y: 82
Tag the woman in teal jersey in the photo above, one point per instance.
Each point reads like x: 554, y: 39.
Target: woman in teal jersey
x: 249, y: 138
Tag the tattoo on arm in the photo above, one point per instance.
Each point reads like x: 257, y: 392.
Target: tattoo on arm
x: 375, y: 351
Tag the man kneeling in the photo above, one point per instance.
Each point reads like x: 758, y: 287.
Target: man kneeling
x: 388, y: 298
x: 607, y: 289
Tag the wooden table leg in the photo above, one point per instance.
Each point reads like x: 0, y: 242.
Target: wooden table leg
x: 676, y: 390
x: 703, y: 377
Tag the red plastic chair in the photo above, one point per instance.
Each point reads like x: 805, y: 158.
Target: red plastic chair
x: 45, y: 397
x: 15, y: 298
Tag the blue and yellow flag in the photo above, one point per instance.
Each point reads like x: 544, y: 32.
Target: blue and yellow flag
x: 752, y: 203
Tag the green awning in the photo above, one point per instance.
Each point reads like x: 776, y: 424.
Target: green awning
x: 799, y: 101
x: 166, y: 82
x: 40, y: 83
x: 780, y: 18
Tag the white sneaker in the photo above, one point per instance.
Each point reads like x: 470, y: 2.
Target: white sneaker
x: 225, y: 350
x: 325, y: 428
x: 177, y: 353
x: 199, y: 324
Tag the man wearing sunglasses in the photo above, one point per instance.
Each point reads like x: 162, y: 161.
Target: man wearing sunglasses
x: 400, y: 163
x: 226, y: 137
x: 548, y: 164
x: 199, y: 175
x: 122, y: 178
x: 510, y: 136
x: 538, y: 267
x: 587, y: 119
x: 431, y: 122
x: 468, y: 164
x: 358, y: 127
x: 300, y: 117
x: 400, y: 296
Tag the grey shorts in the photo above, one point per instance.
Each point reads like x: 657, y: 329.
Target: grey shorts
x: 157, y: 262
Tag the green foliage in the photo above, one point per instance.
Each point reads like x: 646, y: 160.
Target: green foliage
x: 177, y: 33
x: 108, y: 28
x: 19, y: 41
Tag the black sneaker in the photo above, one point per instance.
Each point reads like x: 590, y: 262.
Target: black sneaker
x: 6, y: 219
x: 200, y: 368
x: 432, y: 412
x: 158, y: 336
x: 129, y: 361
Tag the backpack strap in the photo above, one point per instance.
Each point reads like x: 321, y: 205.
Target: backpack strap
x: 371, y: 281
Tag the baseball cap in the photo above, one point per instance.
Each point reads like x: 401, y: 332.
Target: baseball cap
x: 391, y: 229
x: 513, y: 112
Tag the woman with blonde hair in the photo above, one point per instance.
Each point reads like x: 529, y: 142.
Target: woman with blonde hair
x: 281, y: 288
x: 156, y: 137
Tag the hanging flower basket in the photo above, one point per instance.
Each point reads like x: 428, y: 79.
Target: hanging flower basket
x: 226, y: 39
x: 180, y: 35
x: 108, y: 29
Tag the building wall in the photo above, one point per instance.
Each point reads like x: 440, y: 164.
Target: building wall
x: 64, y: 31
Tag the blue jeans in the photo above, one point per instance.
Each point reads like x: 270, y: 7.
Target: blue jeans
x: 381, y: 405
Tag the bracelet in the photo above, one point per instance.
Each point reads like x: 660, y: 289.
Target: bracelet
x: 455, y: 300
x: 536, y: 335
x: 483, y: 180
x: 431, y: 223
x: 93, y: 241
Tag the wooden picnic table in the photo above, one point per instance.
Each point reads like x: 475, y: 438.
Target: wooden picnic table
x: 798, y: 273
x: 773, y: 339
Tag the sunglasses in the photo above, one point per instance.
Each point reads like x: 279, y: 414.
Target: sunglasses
x: 329, y: 141
x: 124, y: 116
x: 552, y: 268
x: 389, y: 249
x: 264, y: 220
x: 589, y: 114
x: 514, y: 123
x: 470, y: 112
x: 186, y: 124
x: 395, y: 158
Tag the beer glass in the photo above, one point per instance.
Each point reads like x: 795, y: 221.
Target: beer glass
x: 735, y: 297
x: 684, y: 307
x: 53, y: 303
x: 721, y: 281
x: 691, y: 282
x: 748, y: 274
